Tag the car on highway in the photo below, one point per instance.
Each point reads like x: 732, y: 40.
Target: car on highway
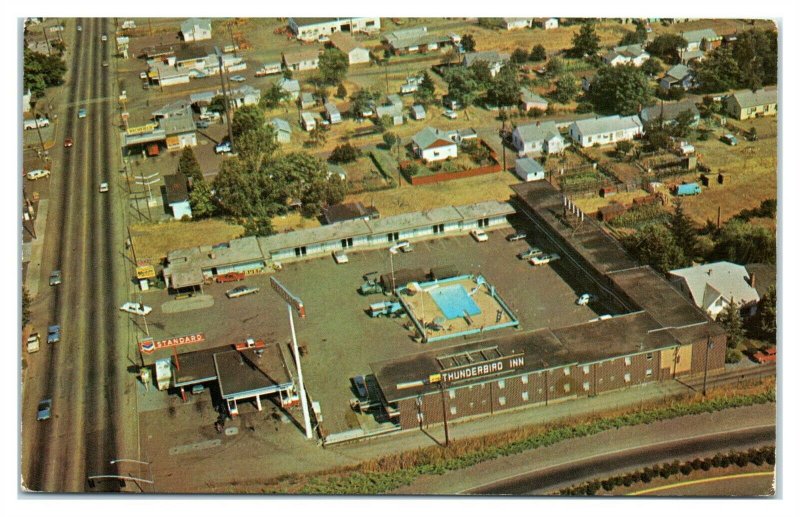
x: 136, y: 308
x: 68, y: 142
x: 340, y: 257
x: 82, y: 113
x: 541, y: 260
x: 33, y: 343
x: 55, y: 277
x: 586, y: 299
x: 44, y: 410
x: 79, y: 28
x: 517, y: 236
x: 104, y: 187
x: 529, y: 253
x: 479, y: 235
x: 223, y: 147
x: 104, y: 37
x: 53, y: 334
x: 37, y: 173
x: 242, y: 290
x: 360, y: 383
x: 238, y: 78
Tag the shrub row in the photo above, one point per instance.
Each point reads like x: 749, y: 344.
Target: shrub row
x: 667, y: 470
x: 384, y: 165
x: 391, y: 472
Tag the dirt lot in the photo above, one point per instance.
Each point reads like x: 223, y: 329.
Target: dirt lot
x: 153, y: 241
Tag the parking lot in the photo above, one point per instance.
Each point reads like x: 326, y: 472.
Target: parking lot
x: 342, y: 339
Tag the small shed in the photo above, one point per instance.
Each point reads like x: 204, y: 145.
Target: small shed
x: 308, y: 120
x: 418, y: 112
x: 332, y: 113
x: 529, y: 169
x: 610, y: 212
x: 307, y: 100
x: 283, y: 131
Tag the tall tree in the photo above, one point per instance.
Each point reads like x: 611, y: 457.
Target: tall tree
x: 273, y: 96
x: 538, y: 53
x: 504, y: 89
x: 685, y: 233
x: 426, y: 91
x: 585, y: 42
x: 201, y: 201
x: 554, y: 67
x: 566, y: 88
x: 317, y: 136
x: 189, y: 166
x: 743, y: 243
x: 622, y: 90
x: 333, y: 65
x: 655, y: 245
x: 718, y: 72
x: 731, y: 320
x: 652, y: 67
x: 635, y: 37
x: 247, y: 118
x: 26, y: 306
x: 481, y: 73
x: 519, y: 56
x: 668, y: 47
x: 468, y: 43
x: 768, y: 313
x: 40, y: 71
x: 755, y: 52
x: 461, y: 86
x: 363, y: 100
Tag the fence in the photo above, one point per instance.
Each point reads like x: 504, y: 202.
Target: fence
x: 438, y: 177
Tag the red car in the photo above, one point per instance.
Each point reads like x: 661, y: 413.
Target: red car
x: 67, y: 142
x: 230, y: 277
x: 767, y: 356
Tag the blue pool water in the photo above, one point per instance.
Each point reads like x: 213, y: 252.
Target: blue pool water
x: 453, y: 301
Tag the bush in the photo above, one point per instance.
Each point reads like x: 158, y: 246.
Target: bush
x: 696, y: 463
x: 344, y: 153
x: 607, y: 485
x: 686, y: 469
x: 732, y: 356
x: 706, y: 464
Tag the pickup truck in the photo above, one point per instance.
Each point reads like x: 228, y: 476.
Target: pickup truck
x: 32, y: 123
x: 33, y: 343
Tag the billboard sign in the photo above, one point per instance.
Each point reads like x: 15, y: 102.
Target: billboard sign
x: 138, y: 130
x: 291, y: 299
x: 145, y: 272
x: 504, y: 365
x: 149, y: 345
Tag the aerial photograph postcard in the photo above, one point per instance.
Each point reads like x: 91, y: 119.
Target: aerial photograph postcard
x: 398, y: 256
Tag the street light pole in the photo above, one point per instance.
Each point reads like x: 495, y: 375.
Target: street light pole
x: 225, y: 94
x: 303, y: 400
x: 444, y: 412
x: 709, y: 346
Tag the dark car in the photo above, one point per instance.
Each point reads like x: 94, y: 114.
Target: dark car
x: 44, y: 410
x: 55, y: 277
x: 361, y: 386
x: 517, y: 236
x: 202, y: 124
x: 53, y: 334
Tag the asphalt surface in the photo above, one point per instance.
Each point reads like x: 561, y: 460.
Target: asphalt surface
x: 84, y: 372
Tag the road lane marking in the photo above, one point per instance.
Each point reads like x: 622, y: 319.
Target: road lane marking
x: 700, y: 481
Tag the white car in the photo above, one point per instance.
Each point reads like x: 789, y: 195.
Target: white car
x: 340, y: 257
x: 37, y: 173
x: 238, y: 78
x: 450, y: 114
x: 103, y: 38
x: 479, y: 235
x: 541, y: 260
x: 136, y: 308
x: 104, y: 187
x: 586, y: 299
x: 243, y: 290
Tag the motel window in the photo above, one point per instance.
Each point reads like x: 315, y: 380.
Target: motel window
x: 393, y: 236
x: 525, y: 396
x: 649, y: 356
x: 347, y: 243
x: 566, y: 370
x: 627, y: 377
x: 300, y: 252
x: 586, y: 370
x: 501, y: 384
x: 586, y: 386
x: 502, y: 401
x: 648, y: 372
x: 524, y: 379
x: 452, y: 393
x: 627, y: 361
x: 452, y: 410
x: 567, y: 388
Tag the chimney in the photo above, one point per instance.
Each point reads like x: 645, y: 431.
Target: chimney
x: 753, y: 280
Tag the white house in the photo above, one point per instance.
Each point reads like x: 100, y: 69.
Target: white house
x: 308, y: 120
x: 283, y: 131
x: 244, y: 95
x: 541, y: 137
x: 418, y: 112
x: 392, y: 108
x: 299, y: 59
x: 550, y: 23
x: 290, y: 86
x: 26, y: 101
x: 745, y: 104
x: 356, y: 54
x: 196, y: 29
x: 313, y: 29
x: 529, y: 100
x: 605, y: 130
x: 528, y: 169
x: 713, y: 286
x: 703, y: 39
x: 494, y: 59
x: 332, y: 113
x: 627, y: 54
x: 177, y: 195
x: 433, y: 145
x: 518, y: 23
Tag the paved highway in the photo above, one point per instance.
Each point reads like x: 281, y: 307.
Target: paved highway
x: 84, y: 373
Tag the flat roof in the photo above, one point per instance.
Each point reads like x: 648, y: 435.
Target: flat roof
x: 186, y: 265
x: 197, y: 366
x: 241, y: 372
x: 290, y: 240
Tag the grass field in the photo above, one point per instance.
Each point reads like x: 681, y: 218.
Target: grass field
x: 152, y: 242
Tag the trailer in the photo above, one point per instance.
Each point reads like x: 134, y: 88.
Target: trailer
x: 688, y: 189
x: 379, y: 309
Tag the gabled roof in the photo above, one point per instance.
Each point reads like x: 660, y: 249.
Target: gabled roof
x: 175, y: 185
x: 490, y: 56
x: 331, y: 107
x: 430, y: 138
x: 668, y: 111
x: 418, y: 109
x: 678, y: 72
x: 708, y: 282
x: 529, y: 166
x: 297, y: 55
x: 751, y: 99
x: 189, y: 25
x: 537, y: 132
x: 700, y: 35
x: 289, y: 85
x: 528, y: 96
x: 610, y: 124
x: 344, y: 42
x: 281, y: 125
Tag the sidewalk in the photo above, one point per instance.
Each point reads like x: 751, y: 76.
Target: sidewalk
x: 34, y: 253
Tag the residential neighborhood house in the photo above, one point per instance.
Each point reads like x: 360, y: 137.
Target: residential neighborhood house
x: 550, y: 23
x: 177, y: 195
x: 628, y: 54
x: 299, y: 59
x: 356, y: 54
x: 679, y: 76
x: 432, y: 145
x: 668, y: 112
x: 417, y: 39
x: 528, y: 169
x: 746, y: 104
x: 541, y: 137
x: 529, y: 100
x: 313, y: 29
x: 196, y: 29
x: 713, y: 286
x: 283, y: 131
x: 605, y: 130
x: 494, y: 59
x: 518, y: 23
x: 290, y: 86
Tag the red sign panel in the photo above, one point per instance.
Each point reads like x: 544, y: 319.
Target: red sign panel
x: 149, y: 345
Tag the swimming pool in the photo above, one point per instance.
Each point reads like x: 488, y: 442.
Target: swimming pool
x: 453, y: 301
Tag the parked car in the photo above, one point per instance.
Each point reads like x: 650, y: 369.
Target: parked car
x: 53, y: 334
x: 143, y: 76
x: 44, y: 410
x: 360, y: 384
x: 517, y: 236
x: 340, y: 257
x: 450, y: 114
x: 33, y: 343
x: 230, y: 277
x: 136, y: 308
x: 55, y: 277
x: 104, y: 187
x: 601, y: 318
x: 529, y: 253
x: 67, y: 142
x: 479, y: 235
x: 241, y: 291
x: 541, y: 260
x: 238, y: 78
x: 202, y: 124
x: 37, y: 173
x: 586, y: 299
x: 223, y: 147
x: 404, y: 246
x: 768, y: 355
x: 79, y: 28
x: 82, y: 113
x: 729, y: 139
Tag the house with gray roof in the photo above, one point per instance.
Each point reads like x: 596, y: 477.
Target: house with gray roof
x: 703, y: 39
x: 746, y: 104
x: 244, y: 95
x: 418, y: 112
x: 307, y: 100
x: 540, y: 137
x: 529, y: 100
x: 528, y: 169
x: 712, y: 287
x: 416, y: 39
x: 301, y: 58
x: 393, y: 108
x: 180, y: 130
x: 432, y: 145
x: 517, y: 23
x: 635, y: 55
x: 605, y: 130
x: 667, y: 112
x: 679, y: 76
x: 283, y: 131
x: 290, y: 86
x: 332, y: 113
x: 196, y: 29
x: 494, y: 59
x: 317, y: 29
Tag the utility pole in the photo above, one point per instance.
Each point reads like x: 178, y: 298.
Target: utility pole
x: 444, y: 412
x: 709, y: 346
x: 225, y: 95
x: 39, y: 132
x: 46, y: 41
